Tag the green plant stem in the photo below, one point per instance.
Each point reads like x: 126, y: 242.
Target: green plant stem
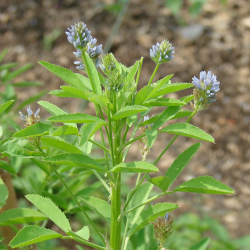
x: 133, y: 140
x: 171, y: 142
x: 84, y: 242
x: 149, y: 200
x: 71, y: 194
x: 101, y: 180
x: 100, y: 146
x: 125, y: 233
x: 153, y: 75
x: 139, y: 72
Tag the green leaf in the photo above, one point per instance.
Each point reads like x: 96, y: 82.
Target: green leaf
x: 18, y: 72
x: 161, y: 182
x: 165, y: 116
x: 150, y: 214
x: 93, y: 74
x: 99, y: 206
x: 31, y: 235
x: 83, y: 233
x: 170, y: 88
x: 140, y: 196
x: 3, y: 193
x: 88, y: 131
x: 65, y: 74
x: 8, y: 66
x: 187, y: 98
x: 59, y: 143
x: 151, y: 137
x: 75, y: 118
x: 65, y: 130
x: 5, y: 166
x: 163, y: 102
x: 31, y: 99
x: 134, y: 167
x: 4, y: 106
x: 3, y: 54
x: 205, y: 185
x: 48, y: 208
x: 85, y: 81
x: 78, y: 160
x: 201, y: 245
x: 37, y: 129
x: 54, y: 110
x: 186, y: 129
x: 181, y: 114
x: 1, y: 131
x: 26, y: 84
x: 90, y: 189
x: 127, y: 111
x: 181, y: 161
x: 20, y: 215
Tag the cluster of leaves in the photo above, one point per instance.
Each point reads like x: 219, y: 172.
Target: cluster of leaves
x: 65, y: 153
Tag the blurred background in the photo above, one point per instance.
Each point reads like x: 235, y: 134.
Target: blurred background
x: 207, y: 35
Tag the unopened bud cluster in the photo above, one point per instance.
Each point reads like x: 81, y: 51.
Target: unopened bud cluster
x: 205, y: 90
x: 81, y: 38
x: 163, y: 228
x: 162, y: 52
x: 30, y: 118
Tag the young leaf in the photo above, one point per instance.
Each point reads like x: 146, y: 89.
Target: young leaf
x: 201, y: 245
x: 166, y: 115
x: 140, y: 196
x: 65, y: 74
x: 88, y: 130
x: 134, y: 167
x: 163, y: 102
x: 31, y: 235
x: 151, y: 137
x: 54, y: 110
x: 75, y: 118
x: 48, y: 208
x: 150, y: 214
x: 4, y: 106
x: 3, y: 193
x: 101, y: 207
x: 59, y: 143
x: 205, y: 185
x: 78, y: 160
x: 20, y: 215
x: 186, y: 129
x: 65, y: 130
x: 181, y: 161
x: 161, y: 182
x: 37, y: 129
x: 127, y: 111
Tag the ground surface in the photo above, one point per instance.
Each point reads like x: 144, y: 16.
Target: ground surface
x: 218, y: 40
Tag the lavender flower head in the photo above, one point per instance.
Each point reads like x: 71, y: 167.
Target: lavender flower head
x: 205, y: 90
x: 30, y: 118
x: 162, y: 52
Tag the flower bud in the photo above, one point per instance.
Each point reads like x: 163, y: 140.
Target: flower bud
x: 31, y: 118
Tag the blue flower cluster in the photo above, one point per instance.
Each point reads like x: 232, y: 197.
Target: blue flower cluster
x: 31, y: 118
x: 205, y: 90
x: 81, y: 38
x: 162, y: 52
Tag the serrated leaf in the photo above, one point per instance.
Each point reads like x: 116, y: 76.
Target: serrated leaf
x: 140, y: 196
x: 88, y: 131
x: 161, y: 182
x: 150, y: 214
x: 170, y: 88
x: 134, y: 167
x: 59, y: 143
x: 165, y: 116
x: 99, y: 206
x: 127, y: 111
x: 163, y: 102
x: 205, y: 185
x: 186, y: 129
x: 201, y: 245
x: 20, y: 215
x: 31, y: 235
x: 151, y: 137
x: 181, y: 161
x: 48, y: 208
x: 5, y: 105
x: 93, y: 74
x: 65, y: 74
x: 54, y: 110
x: 78, y: 160
x: 65, y: 130
x: 187, y: 98
x: 85, y: 81
x: 75, y: 118
x: 38, y: 129
x: 3, y: 193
